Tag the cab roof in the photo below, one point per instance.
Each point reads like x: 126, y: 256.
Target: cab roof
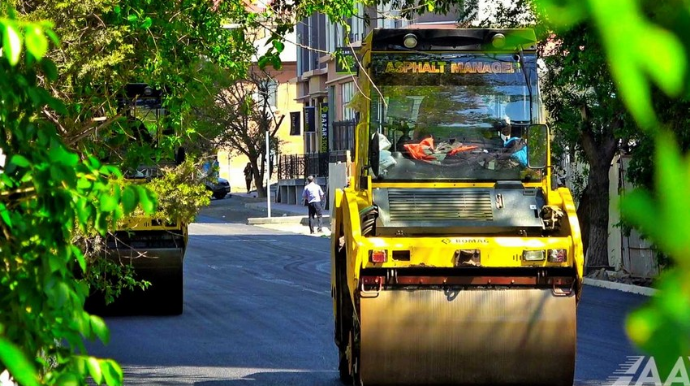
x: 457, y: 39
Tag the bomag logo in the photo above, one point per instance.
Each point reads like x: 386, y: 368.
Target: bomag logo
x: 404, y: 67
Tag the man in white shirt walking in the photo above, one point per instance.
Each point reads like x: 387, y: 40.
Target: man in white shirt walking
x: 313, y: 196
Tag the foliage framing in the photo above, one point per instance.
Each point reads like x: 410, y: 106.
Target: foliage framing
x: 46, y: 193
x: 661, y: 327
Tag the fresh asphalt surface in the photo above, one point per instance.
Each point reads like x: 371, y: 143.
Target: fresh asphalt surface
x: 258, y: 312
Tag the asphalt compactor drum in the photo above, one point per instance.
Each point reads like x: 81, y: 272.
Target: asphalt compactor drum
x: 467, y: 337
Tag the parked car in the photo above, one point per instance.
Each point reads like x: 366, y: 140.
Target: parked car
x: 220, y: 187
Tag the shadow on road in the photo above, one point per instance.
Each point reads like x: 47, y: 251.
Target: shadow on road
x: 306, y: 378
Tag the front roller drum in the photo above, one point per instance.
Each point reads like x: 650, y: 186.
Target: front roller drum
x: 467, y: 337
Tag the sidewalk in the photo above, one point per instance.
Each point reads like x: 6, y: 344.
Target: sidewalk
x: 630, y: 288
x: 284, y: 217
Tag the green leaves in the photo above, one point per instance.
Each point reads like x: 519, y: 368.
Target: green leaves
x: 5, y: 215
x: 112, y: 372
x: 270, y: 59
x: 11, y: 41
x: 100, y: 329
x: 130, y: 196
x: 662, y: 327
x: 108, y: 203
x: 21, y: 369
x: 101, y: 370
x: 19, y: 160
x: 68, y: 379
x: 94, y: 367
x: 278, y: 45
x: 59, y: 155
x: 147, y: 23
x: 146, y: 199
x: 628, y: 42
x: 76, y: 252
x: 36, y: 41
x: 643, y: 52
x: 50, y: 192
x: 637, y: 50
x: 662, y: 217
x: 180, y: 193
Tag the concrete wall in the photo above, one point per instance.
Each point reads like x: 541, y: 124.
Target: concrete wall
x: 630, y: 253
x: 615, y: 236
x: 636, y: 254
x: 337, y: 178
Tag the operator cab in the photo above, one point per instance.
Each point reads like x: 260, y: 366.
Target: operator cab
x: 140, y: 138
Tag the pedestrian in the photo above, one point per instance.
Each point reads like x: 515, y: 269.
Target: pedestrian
x: 248, y: 176
x: 313, y: 197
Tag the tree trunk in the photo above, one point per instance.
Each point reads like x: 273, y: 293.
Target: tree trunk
x: 258, y: 177
x: 259, y: 181
x: 583, y: 218
x: 598, y: 213
x: 599, y: 146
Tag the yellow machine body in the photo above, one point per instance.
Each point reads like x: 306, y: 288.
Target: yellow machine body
x: 451, y: 280
x: 155, y: 248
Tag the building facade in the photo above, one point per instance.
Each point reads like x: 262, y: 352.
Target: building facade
x: 326, y: 82
x: 283, y: 100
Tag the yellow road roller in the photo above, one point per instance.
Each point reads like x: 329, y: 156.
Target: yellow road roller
x: 456, y: 257
x: 154, y: 247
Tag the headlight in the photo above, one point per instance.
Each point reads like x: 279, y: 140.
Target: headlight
x: 498, y: 40
x: 410, y: 41
x: 378, y: 256
x: 533, y: 255
x: 558, y: 255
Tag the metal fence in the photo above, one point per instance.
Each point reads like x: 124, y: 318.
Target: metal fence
x: 299, y: 166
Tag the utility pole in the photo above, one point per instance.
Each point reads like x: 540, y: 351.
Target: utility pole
x: 268, y: 173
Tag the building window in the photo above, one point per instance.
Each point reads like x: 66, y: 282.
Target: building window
x: 347, y: 93
x: 357, y: 24
x: 389, y: 17
x: 295, y: 123
x: 334, y: 36
x: 343, y: 135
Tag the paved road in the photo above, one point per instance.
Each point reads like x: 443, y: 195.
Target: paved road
x: 258, y: 312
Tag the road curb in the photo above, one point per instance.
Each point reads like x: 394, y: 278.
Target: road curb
x: 297, y: 216
x: 280, y: 219
x: 274, y: 220
x: 635, y: 289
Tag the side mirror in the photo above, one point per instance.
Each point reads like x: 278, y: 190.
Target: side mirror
x: 537, y: 146
x: 374, y: 153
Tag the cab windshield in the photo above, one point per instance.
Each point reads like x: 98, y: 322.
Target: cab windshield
x: 453, y: 116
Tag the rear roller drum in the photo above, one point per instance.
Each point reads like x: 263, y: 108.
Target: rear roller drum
x: 355, y: 353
